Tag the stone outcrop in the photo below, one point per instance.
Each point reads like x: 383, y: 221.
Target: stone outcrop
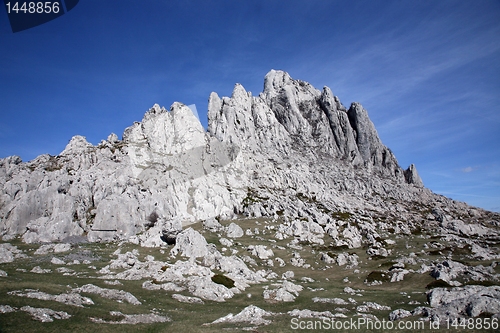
x: 132, y: 319
x: 117, y: 295
x: 9, y: 252
x: 458, y: 303
x: 292, y: 151
x: 72, y: 298
x: 45, y: 315
x: 251, y: 314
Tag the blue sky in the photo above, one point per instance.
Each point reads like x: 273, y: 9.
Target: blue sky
x: 428, y: 72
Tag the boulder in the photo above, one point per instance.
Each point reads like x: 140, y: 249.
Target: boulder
x: 251, y: 314
x: 234, y: 231
x: 261, y: 251
x: 45, y: 315
x: 190, y: 243
x: 9, y: 252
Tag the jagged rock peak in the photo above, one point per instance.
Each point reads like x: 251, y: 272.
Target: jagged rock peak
x: 275, y: 80
x: 412, y: 176
x: 291, y: 143
x: 76, y: 145
x: 291, y: 115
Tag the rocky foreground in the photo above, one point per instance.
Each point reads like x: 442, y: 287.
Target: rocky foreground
x: 289, y: 210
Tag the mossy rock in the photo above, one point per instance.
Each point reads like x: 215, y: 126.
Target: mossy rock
x: 224, y: 280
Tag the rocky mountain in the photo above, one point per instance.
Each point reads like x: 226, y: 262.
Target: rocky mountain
x: 288, y: 191
x: 292, y: 144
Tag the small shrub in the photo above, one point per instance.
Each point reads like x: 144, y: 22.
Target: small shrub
x: 377, y: 276
x: 224, y: 280
x: 152, y: 219
x: 438, y: 284
x: 343, y: 216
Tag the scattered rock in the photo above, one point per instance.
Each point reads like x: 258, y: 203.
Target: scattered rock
x: 9, y: 252
x: 287, y: 292
x: 57, y: 261
x: 39, y: 270
x: 169, y: 286
x: 187, y: 299
x: 251, y: 314
x: 470, y: 300
x: 350, y: 260
x: 132, y: 319
x: 72, y: 298
x: 336, y: 300
x: 310, y: 314
x: 225, y: 242
x: 190, y: 243
x: 45, y: 315
x: 368, y: 306
x: 450, y: 270
x: 6, y: 309
x: 349, y: 290
x: 117, y: 295
x: 113, y: 283
x: 204, y: 287
x: 399, y: 314
x: 234, y: 231
x: 261, y: 251
x: 53, y: 248
x: 212, y: 225
x: 298, y: 261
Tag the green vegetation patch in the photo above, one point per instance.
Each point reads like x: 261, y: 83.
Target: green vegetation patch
x: 224, y: 280
x: 377, y: 276
x: 438, y: 284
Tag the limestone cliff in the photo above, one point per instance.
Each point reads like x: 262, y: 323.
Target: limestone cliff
x: 292, y: 151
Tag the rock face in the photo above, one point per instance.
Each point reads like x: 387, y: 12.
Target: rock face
x: 292, y: 151
x: 471, y: 301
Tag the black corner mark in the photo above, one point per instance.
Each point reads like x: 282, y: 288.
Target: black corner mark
x: 28, y: 14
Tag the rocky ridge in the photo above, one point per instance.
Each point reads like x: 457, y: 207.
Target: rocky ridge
x: 285, y: 184
x: 278, y: 148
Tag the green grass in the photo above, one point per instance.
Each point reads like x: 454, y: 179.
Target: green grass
x: 329, y: 282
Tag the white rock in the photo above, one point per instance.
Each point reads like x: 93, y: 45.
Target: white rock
x: 213, y: 225
x: 132, y: 319
x: 57, y: 261
x: 39, y: 270
x: 6, y: 309
x: 225, y: 242
x: 190, y: 243
x: 187, y: 299
x: 205, y: 288
x: 336, y: 300
x: 310, y: 314
x: 251, y: 314
x: 399, y: 314
x: 9, y: 252
x: 261, y: 251
x: 45, y: 315
x: 234, y: 231
x: 72, y: 299
x: 118, y: 295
